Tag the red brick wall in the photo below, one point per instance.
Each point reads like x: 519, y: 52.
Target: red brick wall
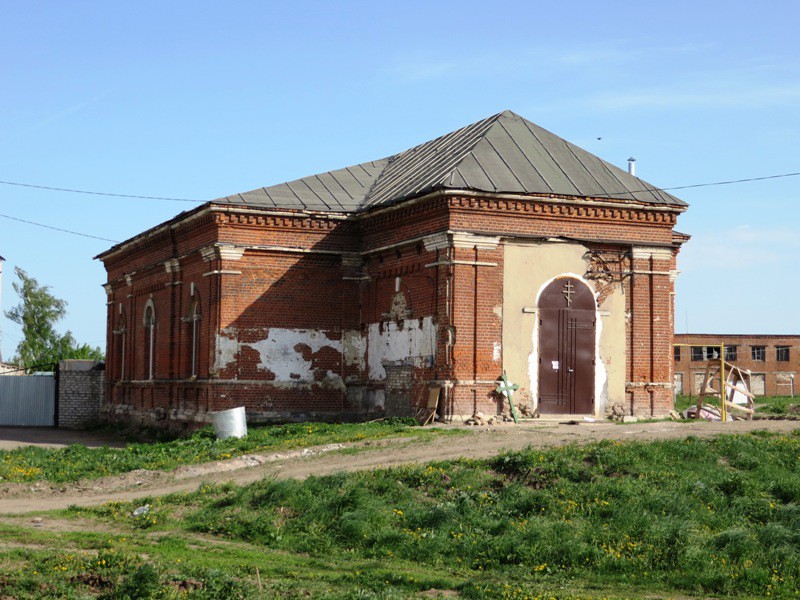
x: 477, y: 300
x: 650, y: 329
x: 776, y: 373
x: 336, y: 276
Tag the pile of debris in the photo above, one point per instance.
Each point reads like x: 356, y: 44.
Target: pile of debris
x: 480, y: 418
x: 618, y: 413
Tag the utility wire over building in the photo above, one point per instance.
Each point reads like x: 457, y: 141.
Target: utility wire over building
x: 370, y: 289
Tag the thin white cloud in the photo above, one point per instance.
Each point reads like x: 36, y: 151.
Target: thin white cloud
x: 738, y: 248
x: 723, y: 95
x: 71, y: 109
x: 58, y: 115
x: 622, y: 52
x: 533, y: 61
x: 416, y: 71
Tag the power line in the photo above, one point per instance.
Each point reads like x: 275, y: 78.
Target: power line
x: 59, y: 189
x: 697, y: 185
x: 168, y: 198
x: 680, y: 187
x: 694, y: 185
x: 58, y: 229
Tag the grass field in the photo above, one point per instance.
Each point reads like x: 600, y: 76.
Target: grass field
x: 79, y: 462
x: 688, y: 518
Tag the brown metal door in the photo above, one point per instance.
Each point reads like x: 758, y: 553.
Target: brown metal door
x: 566, y: 348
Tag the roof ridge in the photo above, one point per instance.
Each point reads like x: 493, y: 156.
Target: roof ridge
x: 389, y: 160
x: 503, y: 153
x: 416, y: 159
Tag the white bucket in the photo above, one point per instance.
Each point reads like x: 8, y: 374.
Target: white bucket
x: 229, y: 423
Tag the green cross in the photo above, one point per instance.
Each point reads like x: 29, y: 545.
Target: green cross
x: 507, y: 389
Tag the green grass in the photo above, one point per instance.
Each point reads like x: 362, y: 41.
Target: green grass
x: 684, y: 402
x: 691, y: 517
x: 79, y: 462
x: 776, y: 405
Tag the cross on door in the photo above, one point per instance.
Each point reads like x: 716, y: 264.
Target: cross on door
x: 569, y: 290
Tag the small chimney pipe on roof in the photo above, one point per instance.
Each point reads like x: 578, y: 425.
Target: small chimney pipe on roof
x: 632, y: 166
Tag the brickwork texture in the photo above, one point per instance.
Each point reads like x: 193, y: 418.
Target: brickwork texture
x: 315, y: 316
x: 80, y: 393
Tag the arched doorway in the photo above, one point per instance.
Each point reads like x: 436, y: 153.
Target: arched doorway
x: 566, y: 347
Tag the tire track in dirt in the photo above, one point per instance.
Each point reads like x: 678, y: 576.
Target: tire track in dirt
x: 477, y: 442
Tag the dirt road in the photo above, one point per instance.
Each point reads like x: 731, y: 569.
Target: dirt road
x: 478, y: 442
x: 52, y: 437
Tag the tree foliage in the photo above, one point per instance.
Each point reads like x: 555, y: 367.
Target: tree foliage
x: 37, y: 313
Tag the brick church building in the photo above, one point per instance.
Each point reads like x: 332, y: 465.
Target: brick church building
x: 499, y: 247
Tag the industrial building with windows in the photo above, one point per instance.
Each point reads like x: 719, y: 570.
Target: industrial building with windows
x: 773, y: 360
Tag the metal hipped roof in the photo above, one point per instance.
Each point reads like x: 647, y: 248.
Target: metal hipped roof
x: 502, y: 154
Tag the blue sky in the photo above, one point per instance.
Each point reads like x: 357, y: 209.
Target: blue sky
x: 201, y: 99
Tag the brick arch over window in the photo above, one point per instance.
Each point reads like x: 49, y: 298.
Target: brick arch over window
x: 149, y: 324
x: 192, y: 319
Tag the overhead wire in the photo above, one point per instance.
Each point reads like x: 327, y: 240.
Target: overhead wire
x: 694, y: 185
x: 87, y: 235
x: 172, y: 199
x: 117, y: 195
x: 697, y: 185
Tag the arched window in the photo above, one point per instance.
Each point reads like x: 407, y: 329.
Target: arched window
x: 120, y: 335
x: 193, y: 321
x: 149, y: 337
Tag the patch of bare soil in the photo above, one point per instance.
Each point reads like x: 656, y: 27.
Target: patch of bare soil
x: 477, y: 442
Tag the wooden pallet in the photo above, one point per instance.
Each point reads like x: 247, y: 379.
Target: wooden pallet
x: 426, y: 414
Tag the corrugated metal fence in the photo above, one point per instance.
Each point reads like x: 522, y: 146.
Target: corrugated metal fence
x: 27, y: 400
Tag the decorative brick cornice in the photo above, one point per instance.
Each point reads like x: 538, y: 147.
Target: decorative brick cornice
x: 397, y: 271
x: 654, y: 252
x: 437, y: 241
x: 321, y: 222
x: 208, y: 253
x: 230, y: 252
x: 471, y: 240
x: 460, y: 239
x: 352, y: 259
x: 222, y: 251
x: 222, y: 272
x: 565, y: 208
x: 402, y: 213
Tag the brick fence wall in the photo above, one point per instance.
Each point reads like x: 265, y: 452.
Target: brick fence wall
x: 80, y: 392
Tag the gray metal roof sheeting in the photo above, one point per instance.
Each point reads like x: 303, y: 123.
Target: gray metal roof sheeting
x: 502, y: 154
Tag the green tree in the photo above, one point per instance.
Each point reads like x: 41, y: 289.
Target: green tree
x: 42, y: 346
